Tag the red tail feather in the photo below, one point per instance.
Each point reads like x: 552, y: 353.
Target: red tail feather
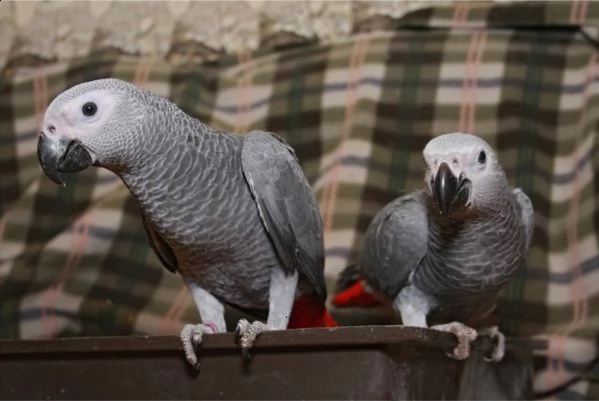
x: 310, y: 312
x: 356, y: 295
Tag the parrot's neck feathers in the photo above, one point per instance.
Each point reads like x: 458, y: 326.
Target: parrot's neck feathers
x: 459, y: 251
x: 177, y: 151
x: 474, y: 220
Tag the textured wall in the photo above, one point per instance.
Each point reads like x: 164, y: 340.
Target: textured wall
x: 58, y: 30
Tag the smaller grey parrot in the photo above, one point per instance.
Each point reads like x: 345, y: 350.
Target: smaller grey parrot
x: 444, y: 253
x: 233, y: 215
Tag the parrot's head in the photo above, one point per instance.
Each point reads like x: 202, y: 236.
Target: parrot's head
x: 463, y: 174
x: 93, y: 123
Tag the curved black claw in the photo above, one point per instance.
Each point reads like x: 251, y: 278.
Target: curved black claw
x: 246, y: 353
x: 191, y: 337
x: 247, y: 333
x: 499, y: 351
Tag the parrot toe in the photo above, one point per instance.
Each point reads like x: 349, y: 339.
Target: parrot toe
x: 247, y: 333
x: 465, y: 337
x: 191, y: 336
x: 499, y: 351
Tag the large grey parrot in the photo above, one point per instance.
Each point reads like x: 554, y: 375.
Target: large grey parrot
x: 234, y: 215
x: 445, y: 252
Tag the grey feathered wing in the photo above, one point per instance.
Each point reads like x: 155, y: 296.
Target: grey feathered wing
x: 286, y: 204
x: 395, y: 243
x: 527, y: 213
x: 160, y: 247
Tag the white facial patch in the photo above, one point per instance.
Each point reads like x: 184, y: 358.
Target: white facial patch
x: 69, y: 119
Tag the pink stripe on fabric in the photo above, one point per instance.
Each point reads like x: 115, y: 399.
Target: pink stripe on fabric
x: 578, y: 289
x: 142, y: 71
x: 243, y: 89
x: 466, y: 85
x: 480, y: 48
x: 476, y: 48
x: 575, y: 5
x: 578, y: 12
x: 350, y: 89
x: 167, y: 323
x: 79, y: 240
x: 356, y: 63
x: 459, y: 17
x: 582, y: 16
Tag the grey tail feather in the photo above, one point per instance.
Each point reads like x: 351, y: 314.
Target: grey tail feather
x: 348, y: 277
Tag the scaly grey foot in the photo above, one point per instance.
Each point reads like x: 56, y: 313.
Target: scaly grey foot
x: 248, y: 332
x: 499, y: 351
x: 465, y: 337
x: 191, y: 336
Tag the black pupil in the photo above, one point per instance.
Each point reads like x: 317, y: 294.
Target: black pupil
x: 89, y: 109
x: 482, y: 157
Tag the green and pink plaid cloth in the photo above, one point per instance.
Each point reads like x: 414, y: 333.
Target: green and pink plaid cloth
x: 76, y: 261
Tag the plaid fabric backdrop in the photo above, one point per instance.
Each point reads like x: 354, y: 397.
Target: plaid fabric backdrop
x: 76, y: 261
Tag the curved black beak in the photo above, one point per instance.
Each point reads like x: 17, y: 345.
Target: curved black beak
x: 450, y: 192
x: 61, y: 156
